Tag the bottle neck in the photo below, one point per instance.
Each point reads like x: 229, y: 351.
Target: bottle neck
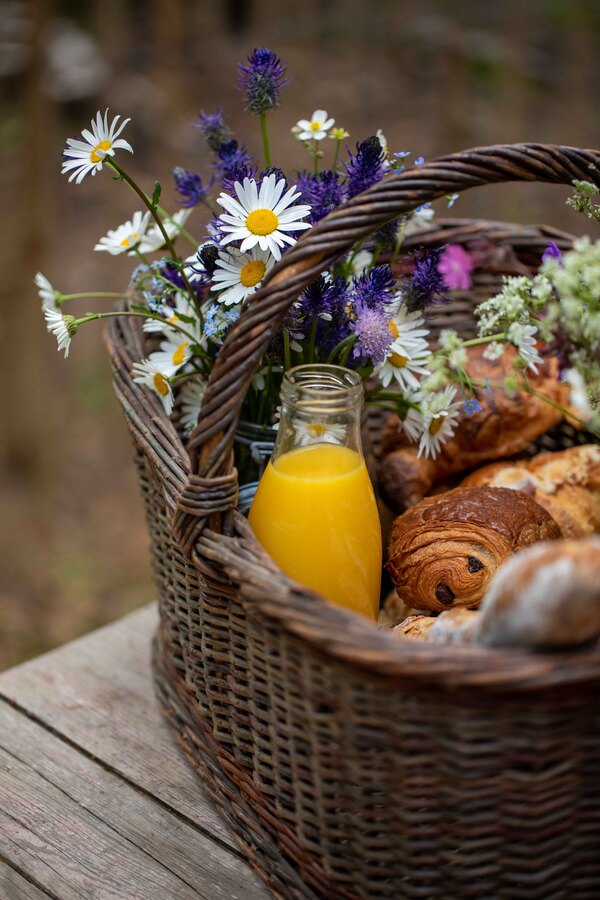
x: 319, y: 404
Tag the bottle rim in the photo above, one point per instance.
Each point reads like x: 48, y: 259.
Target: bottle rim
x: 321, y: 387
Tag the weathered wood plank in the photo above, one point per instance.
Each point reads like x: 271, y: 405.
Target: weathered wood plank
x: 97, y: 692
x: 14, y: 887
x: 80, y: 831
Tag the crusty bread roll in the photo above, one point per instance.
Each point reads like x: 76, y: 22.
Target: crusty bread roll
x: 454, y: 626
x: 547, y: 596
x: 566, y: 484
x: 506, y: 423
x: 444, y: 551
x: 415, y: 627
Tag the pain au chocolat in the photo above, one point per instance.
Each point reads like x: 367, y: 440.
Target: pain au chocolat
x: 444, y: 551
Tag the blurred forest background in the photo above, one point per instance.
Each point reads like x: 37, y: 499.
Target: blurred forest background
x: 435, y: 75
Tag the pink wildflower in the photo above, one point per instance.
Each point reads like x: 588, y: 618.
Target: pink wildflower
x: 456, y: 266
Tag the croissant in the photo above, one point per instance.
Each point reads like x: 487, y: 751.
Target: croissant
x: 566, y: 484
x: 548, y: 596
x: 505, y: 424
x: 444, y: 551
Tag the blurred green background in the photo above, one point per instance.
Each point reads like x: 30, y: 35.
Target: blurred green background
x: 435, y: 75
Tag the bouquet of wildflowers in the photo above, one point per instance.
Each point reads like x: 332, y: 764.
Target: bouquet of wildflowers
x: 190, y: 282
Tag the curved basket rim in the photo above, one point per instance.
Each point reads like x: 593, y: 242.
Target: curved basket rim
x: 333, y: 631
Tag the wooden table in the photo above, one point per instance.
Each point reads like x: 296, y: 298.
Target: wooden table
x: 96, y: 800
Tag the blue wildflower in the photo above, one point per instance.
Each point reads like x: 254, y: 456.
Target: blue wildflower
x: 214, y: 129
x: 375, y: 288
x: 372, y: 332
x: 210, y: 328
x: 452, y: 198
x: 233, y: 163
x: 190, y: 187
x: 139, y: 271
x: 427, y: 284
x: 420, y: 161
x: 366, y: 168
x: 232, y: 315
x: 261, y: 80
x: 471, y: 406
x: 151, y: 302
x: 552, y: 251
x: 323, y: 192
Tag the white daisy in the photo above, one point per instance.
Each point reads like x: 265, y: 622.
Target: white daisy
x: 192, y: 394
x: 384, y: 146
x: 88, y: 155
x: 523, y: 338
x: 150, y: 374
x: 173, y: 354
x: 315, y: 129
x: 47, y: 293
x: 124, y: 238
x: 440, y: 413
x: 420, y: 220
x: 62, y: 327
x: 361, y: 262
x: 193, y: 268
x: 408, y: 354
x: 153, y: 239
x: 262, y: 217
x: 319, y: 433
x: 239, y: 274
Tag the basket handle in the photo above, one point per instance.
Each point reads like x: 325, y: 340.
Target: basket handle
x: 212, y: 488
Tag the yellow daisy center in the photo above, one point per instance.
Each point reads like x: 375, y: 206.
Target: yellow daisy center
x: 173, y: 319
x: 393, y: 329
x: 179, y: 354
x: 130, y: 240
x: 103, y: 145
x: 252, y: 273
x: 398, y: 361
x: 436, y: 424
x: 315, y: 125
x: 161, y: 385
x: 262, y: 221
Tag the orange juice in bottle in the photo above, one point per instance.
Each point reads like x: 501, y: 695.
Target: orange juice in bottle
x: 315, y: 511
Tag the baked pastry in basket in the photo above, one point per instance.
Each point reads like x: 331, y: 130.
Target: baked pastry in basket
x: 505, y: 424
x: 566, y: 484
x: 444, y: 551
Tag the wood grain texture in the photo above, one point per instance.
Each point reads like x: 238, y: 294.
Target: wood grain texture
x: 86, y: 693
x: 15, y: 887
x: 78, y: 822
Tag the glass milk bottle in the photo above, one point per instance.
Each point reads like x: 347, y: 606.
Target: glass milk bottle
x: 315, y: 511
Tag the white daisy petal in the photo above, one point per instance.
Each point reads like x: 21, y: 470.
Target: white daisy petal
x: 149, y: 374
x: 83, y: 157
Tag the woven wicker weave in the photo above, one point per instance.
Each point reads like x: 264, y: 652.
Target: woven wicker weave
x: 349, y: 763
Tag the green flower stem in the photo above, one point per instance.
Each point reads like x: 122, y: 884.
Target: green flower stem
x: 336, y: 154
x: 145, y: 200
x: 155, y: 215
x: 287, y: 353
x: 104, y: 295
x: 183, y: 231
x: 339, y: 348
x: 91, y: 317
x: 265, y: 139
x: 312, y: 340
x: 315, y: 153
x: 475, y: 342
x: 141, y: 256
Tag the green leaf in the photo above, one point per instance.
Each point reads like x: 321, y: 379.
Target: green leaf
x: 156, y: 194
x: 143, y: 309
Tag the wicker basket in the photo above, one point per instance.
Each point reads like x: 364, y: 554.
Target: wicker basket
x: 349, y: 763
